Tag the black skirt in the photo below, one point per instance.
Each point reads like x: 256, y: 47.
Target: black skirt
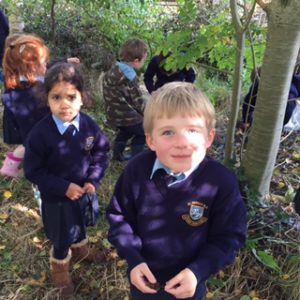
x: 11, y: 132
x: 65, y: 222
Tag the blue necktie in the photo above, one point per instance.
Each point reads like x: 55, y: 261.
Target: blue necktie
x: 71, y: 131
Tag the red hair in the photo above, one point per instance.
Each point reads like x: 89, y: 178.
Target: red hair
x: 26, y: 56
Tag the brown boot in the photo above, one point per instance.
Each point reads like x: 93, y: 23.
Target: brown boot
x: 83, y: 251
x: 61, y: 275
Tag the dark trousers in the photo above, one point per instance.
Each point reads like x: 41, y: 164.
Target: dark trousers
x: 162, y: 295
x: 136, y: 132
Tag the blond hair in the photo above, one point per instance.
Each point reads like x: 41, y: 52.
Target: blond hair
x: 178, y: 98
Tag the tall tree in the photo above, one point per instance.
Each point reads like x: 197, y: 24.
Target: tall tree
x: 283, y: 41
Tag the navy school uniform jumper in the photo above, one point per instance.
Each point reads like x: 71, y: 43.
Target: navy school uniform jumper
x: 156, y: 76
x: 198, y: 223
x: 22, y: 111
x: 52, y: 161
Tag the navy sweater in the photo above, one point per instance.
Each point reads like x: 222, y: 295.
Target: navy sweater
x: 156, y: 76
x: 53, y: 161
x: 153, y: 223
x: 21, y: 112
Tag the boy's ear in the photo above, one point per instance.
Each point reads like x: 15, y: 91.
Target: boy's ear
x: 210, y: 137
x: 149, y: 141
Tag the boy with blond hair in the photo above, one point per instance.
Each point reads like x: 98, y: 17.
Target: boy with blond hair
x: 176, y: 215
x: 123, y: 98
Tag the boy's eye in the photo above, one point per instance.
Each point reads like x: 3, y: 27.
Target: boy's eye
x: 194, y: 130
x: 167, y: 132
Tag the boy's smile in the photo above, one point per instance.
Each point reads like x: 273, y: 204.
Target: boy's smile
x: 180, y: 142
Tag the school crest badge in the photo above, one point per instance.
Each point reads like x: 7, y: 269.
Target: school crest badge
x: 89, y: 143
x: 195, y: 216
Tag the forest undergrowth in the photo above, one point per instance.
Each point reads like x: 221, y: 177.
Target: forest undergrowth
x: 266, y: 269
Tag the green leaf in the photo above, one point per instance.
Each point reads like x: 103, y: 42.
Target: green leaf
x: 266, y: 259
x: 245, y: 297
x: 216, y: 282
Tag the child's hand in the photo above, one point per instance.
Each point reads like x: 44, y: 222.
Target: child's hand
x: 183, y: 285
x: 74, y: 191
x: 141, y: 276
x: 89, y: 188
x: 73, y: 60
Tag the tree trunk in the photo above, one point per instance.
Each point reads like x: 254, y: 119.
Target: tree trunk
x: 283, y: 41
x: 238, y: 77
x: 235, y: 98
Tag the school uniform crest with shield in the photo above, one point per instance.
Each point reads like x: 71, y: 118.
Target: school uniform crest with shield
x: 89, y: 143
x: 195, y: 216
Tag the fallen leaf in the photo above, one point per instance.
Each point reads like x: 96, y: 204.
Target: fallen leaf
x: 37, y: 282
x: 121, y: 263
x: 253, y: 294
x: 4, y: 217
x: 285, y: 276
x: 76, y: 266
x: 93, y: 239
x: 221, y: 274
x: 7, y: 195
x: 296, y: 156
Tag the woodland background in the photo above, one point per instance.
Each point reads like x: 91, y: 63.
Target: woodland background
x: 223, y: 41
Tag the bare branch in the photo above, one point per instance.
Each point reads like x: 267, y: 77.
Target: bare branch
x: 249, y: 17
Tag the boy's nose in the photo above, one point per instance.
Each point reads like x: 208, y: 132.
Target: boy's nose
x: 181, y: 141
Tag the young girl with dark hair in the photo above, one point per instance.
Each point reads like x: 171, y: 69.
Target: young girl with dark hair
x: 66, y: 157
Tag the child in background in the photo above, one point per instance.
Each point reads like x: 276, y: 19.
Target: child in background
x: 25, y: 62
x: 66, y: 157
x: 24, y: 66
x: 250, y: 99
x: 4, y: 31
x: 176, y: 215
x: 156, y: 75
x: 123, y: 98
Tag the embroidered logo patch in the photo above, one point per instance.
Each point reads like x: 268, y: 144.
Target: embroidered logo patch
x: 195, y: 216
x: 89, y: 143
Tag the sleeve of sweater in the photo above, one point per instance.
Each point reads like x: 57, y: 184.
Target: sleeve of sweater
x: 190, y: 75
x: 121, y: 217
x: 99, y: 161
x: 227, y: 232
x: 35, y: 167
x: 149, y: 75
